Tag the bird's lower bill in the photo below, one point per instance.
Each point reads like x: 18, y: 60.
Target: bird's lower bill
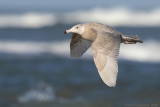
x: 67, y: 31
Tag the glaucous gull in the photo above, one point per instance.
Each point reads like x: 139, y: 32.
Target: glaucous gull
x: 105, y: 42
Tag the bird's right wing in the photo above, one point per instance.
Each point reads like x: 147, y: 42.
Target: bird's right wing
x: 105, y: 51
x: 78, y: 45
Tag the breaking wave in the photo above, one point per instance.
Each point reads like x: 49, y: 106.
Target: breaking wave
x: 41, y: 93
x: 27, y: 20
x: 148, y: 52
x: 28, y: 47
x: 113, y: 17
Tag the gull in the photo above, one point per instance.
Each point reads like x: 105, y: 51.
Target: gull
x: 105, y: 43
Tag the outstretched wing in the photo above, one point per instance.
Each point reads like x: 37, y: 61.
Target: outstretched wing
x: 105, y: 50
x: 78, y: 45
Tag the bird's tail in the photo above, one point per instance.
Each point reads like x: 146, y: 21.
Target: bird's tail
x: 131, y: 39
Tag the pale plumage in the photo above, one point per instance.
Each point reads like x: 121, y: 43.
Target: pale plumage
x: 105, y: 43
x: 105, y: 51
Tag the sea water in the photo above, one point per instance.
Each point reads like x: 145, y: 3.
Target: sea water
x: 36, y: 68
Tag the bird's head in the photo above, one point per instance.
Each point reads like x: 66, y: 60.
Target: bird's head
x: 79, y: 29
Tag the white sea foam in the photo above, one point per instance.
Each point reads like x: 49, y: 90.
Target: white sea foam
x: 28, y: 47
x: 116, y: 17
x: 146, y: 52
x: 111, y: 16
x: 27, y: 20
x: 41, y: 93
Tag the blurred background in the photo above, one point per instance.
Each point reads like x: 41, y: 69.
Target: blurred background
x: 35, y: 65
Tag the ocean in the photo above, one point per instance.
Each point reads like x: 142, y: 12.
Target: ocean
x: 36, y: 69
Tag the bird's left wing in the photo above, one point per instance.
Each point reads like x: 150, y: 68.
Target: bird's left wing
x: 78, y: 45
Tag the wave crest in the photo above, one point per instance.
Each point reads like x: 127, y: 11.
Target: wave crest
x: 113, y: 17
x: 146, y: 52
x: 27, y: 20
x: 41, y: 93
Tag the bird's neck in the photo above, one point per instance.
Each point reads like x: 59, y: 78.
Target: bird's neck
x: 89, y: 34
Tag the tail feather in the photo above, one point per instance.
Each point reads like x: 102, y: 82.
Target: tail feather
x: 131, y: 39
x: 136, y: 38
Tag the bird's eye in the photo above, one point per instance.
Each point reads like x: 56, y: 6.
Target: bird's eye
x: 77, y: 27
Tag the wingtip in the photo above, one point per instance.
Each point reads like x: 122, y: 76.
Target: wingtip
x: 110, y: 82
x: 111, y: 85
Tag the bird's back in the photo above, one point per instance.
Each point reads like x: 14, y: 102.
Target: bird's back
x: 105, y: 28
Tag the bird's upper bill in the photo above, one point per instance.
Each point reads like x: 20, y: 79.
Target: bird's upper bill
x: 68, y: 31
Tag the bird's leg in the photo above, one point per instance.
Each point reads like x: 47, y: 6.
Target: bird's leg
x: 128, y: 42
x: 130, y: 39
